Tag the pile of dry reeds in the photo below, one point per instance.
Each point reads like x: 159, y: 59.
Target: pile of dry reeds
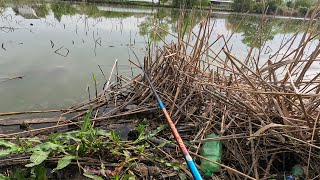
x: 266, y: 111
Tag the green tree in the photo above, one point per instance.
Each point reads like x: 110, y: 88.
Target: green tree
x: 190, y: 3
x: 155, y: 27
x: 303, y: 6
x: 256, y: 6
x: 41, y: 10
x: 249, y: 28
x: 243, y: 5
x: 273, y: 5
x: 60, y: 8
x: 302, y: 3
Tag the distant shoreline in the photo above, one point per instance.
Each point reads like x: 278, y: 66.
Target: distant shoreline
x: 215, y: 10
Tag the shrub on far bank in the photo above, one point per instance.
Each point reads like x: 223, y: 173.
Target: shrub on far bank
x: 190, y: 3
x: 281, y: 7
x: 243, y: 5
x: 256, y: 6
x: 302, y: 3
x: 273, y: 5
x: 303, y: 10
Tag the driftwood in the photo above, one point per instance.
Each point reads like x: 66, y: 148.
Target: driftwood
x: 9, y: 122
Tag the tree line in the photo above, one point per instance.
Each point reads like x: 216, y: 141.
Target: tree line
x: 282, y: 7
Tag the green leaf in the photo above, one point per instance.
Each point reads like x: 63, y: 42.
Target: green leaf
x: 186, y: 25
x: 47, y: 146
x: 67, y: 137
x: 86, y: 124
x: 50, y: 146
x: 94, y: 77
x: 10, y: 148
x: 161, y: 160
x: 159, y: 129
x: 115, y: 151
x: 19, y: 174
x: 129, y: 177
x: 92, y: 176
x: 64, y: 162
x: 6, y: 152
x: 38, y: 157
x: 30, y: 165
x: 141, y: 129
x: 182, y: 176
x: 163, y: 144
x: 176, y: 168
x: 41, y: 172
x: 3, y: 177
x: 34, y: 140
x: 102, y: 132
x: 141, y: 148
x: 7, y: 144
x: 168, y: 164
x: 127, y: 154
x: 115, y: 137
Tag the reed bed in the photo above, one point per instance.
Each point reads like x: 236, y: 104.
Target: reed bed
x: 265, y: 111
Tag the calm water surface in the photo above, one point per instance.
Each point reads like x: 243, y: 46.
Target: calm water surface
x: 57, y: 47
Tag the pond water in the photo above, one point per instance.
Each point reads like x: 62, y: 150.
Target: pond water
x: 57, y: 47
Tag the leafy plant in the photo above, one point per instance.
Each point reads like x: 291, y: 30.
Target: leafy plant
x: 190, y: 3
x: 64, y: 162
x: 9, y: 148
x: 72, y: 145
x: 92, y: 176
x: 39, y: 172
x: 143, y: 136
x: 87, y: 124
x: 3, y: 177
x: 115, y: 137
x: 38, y: 157
x: 19, y: 174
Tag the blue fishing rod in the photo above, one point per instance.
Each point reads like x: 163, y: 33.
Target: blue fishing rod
x: 192, y: 166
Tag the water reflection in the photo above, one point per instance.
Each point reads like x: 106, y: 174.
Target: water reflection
x: 250, y: 27
x: 157, y: 23
x: 156, y: 27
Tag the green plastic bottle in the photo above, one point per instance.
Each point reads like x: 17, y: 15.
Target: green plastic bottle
x: 297, y: 171
x: 211, y: 150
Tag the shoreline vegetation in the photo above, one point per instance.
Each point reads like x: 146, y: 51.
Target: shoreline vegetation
x: 265, y: 112
x: 291, y: 8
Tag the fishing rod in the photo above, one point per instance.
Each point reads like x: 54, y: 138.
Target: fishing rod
x: 192, y: 166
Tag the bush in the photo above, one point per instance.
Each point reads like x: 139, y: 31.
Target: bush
x: 255, y: 6
x: 303, y: 10
x: 302, y: 3
x: 243, y: 5
x: 204, y: 2
x: 190, y: 3
x: 290, y: 4
x: 287, y: 11
x: 258, y: 7
x: 273, y: 5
